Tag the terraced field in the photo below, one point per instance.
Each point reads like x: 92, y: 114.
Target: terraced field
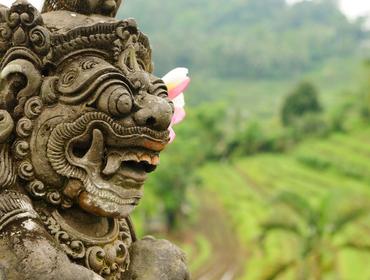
x: 338, y: 166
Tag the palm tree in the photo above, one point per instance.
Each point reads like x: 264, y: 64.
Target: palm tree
x: 315, y: 229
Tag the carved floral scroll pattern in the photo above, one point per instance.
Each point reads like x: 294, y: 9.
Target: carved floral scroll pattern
x: 22, y: 26
x: 109, y: 259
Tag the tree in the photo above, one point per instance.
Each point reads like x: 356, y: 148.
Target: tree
x: 316, y: 230
x: 303, y: 100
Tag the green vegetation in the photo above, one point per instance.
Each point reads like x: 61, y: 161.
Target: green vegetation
x: 246, y: 189
x: 316, y: 229
x: 302, y: 101
x: 255, y: 131
x: 247, y: 39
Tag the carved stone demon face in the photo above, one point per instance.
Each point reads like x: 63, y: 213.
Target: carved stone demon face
x: 103, y: 136
x: 90, y: 118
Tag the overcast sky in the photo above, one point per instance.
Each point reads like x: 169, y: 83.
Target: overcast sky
x: 352, y: 8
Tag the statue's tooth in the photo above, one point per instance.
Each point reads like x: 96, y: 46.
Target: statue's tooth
x: 146, y: 158
x: 113, y: 164
x: 135, y: 157
x: 140, y: 156
x: 155, y: 160
x: 124, y: 155
x: 129, y: 156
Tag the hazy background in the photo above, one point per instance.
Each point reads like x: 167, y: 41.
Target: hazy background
x: 352, y: 8
x: 268, y: 177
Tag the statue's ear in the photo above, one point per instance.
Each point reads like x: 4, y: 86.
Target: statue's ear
x: 19, y: 80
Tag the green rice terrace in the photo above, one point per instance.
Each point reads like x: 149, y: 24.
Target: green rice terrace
x: 331, y: 173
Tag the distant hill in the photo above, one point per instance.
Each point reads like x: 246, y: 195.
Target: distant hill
x: 245, y: 39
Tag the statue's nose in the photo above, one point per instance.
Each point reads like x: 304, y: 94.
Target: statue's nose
x: 155, y: 112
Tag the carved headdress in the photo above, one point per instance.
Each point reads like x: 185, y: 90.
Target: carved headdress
x: 87, y: 7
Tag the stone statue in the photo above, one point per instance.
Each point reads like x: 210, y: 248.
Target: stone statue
x: 82, y: 123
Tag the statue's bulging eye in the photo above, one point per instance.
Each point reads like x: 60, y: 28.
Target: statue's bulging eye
x: 116, y: 100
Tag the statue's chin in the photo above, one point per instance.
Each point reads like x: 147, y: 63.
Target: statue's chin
x: 103, y: 208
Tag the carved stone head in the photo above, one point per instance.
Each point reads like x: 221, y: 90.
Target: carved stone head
x: 82, y: 117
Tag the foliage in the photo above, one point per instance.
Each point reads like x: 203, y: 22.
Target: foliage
x: 365, y: 97
x: 316, y: 228
x: 303, y: 100
x: 177, y: 172
x: 199, y: 254
x: 273, y: 40
x: 247, y: 187
x: 250, y: 140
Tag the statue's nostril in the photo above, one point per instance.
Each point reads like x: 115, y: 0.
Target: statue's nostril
x: 150, y: 121
x: 155, y: 113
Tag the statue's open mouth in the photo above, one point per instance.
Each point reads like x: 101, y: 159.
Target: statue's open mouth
x: 111, y: 161
x: 132, y: 163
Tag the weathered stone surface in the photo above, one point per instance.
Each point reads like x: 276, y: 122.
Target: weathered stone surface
x: 82, y: 123
x: 156, y: 259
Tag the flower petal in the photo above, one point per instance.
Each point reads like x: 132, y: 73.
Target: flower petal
x: 179, y: 101
x: 175, y: 75
x: 178, y: 89
x: 177, y: 82
x: 172, y: 135
x: 178, y: 116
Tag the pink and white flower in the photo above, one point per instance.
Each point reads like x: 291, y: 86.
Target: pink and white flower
x: 177, y: 81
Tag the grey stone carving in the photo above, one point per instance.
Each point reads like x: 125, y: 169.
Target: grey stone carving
x: 82, y: 123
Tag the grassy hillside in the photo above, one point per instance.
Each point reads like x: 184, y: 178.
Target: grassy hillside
x: 337, y: 167
x: 263, y: 98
